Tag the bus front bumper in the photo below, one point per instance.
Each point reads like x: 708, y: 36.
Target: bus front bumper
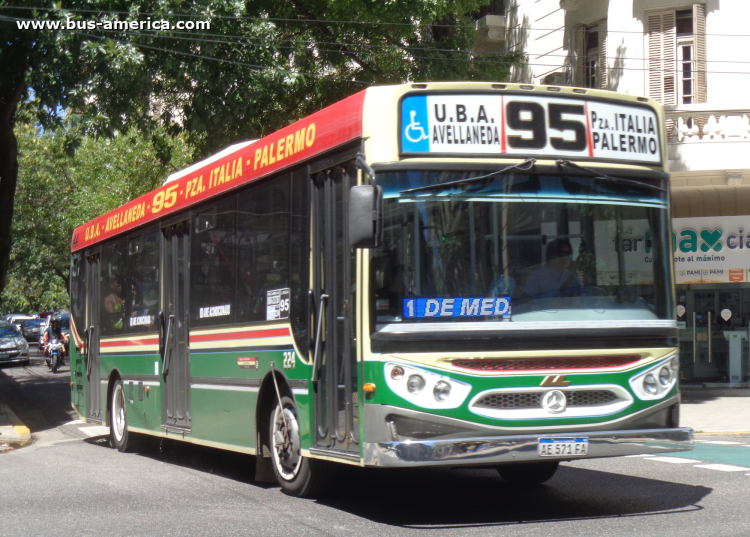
x: 491, y: 451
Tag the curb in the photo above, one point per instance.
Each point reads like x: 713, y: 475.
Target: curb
x: 16, y: 432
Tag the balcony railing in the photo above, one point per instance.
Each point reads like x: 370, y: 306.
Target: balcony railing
x: 705, y: 123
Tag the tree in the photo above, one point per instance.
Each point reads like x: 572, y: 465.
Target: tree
x: 261, y: 65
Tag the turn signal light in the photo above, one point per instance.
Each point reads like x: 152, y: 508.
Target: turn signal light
x: 368, y: 387
x: 146, y: 388
x: 71, y: 384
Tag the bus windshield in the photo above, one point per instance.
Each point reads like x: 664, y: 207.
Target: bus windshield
x: 521, y: 248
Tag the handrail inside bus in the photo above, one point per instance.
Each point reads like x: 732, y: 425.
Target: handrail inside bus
x: 88, y: 349
x: 165, y: 358
x: 323, y: 298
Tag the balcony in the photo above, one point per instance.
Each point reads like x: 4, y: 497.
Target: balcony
x: 708, y: 138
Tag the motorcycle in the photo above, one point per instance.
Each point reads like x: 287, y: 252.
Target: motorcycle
x: 55, y: 352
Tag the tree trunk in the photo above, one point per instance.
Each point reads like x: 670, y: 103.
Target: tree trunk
x: 14, y: 63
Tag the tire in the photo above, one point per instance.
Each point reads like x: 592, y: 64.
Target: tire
x: 118, y: 419
x: 298, y: 476
x: 55, y: 363
x: 531, y: 473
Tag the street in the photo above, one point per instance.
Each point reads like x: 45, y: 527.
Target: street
x: 68, y: 481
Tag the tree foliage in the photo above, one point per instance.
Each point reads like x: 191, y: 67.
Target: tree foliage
x: 59, y: 189
x: 261, y: 65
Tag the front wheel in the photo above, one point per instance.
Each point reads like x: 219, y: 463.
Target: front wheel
x: 531, y: 473
x: 118, y: 419
x: 298, y: 476
x: 55, y: 362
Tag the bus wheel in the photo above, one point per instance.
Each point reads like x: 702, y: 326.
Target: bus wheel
x: 531, y: 473
x: 118, y: 421
x: 297, y: 475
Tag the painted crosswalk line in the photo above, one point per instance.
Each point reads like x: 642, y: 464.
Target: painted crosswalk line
x: 95, y: 431
x: 718, y: 442
x: 722, y: 467
x: 673, y: 460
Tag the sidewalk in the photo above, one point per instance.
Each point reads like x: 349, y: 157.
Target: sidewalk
x: 715, y: 414
x: 12, y: 430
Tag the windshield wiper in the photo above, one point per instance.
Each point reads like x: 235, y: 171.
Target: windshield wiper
x: 600, y: 175
x: 524, y: 166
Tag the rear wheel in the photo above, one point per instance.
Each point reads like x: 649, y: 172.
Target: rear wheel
x: 118, y: 419
x: 298, y: 476
x: 531, y: 473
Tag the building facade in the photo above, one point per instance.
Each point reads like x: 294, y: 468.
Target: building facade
x: 694, y: 58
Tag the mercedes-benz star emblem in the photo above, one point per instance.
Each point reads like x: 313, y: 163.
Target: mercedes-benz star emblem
x: 554, y: 401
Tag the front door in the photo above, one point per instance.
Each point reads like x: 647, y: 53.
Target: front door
x: 92, y: 332
x: 175, y: 331
x: 336, y: 397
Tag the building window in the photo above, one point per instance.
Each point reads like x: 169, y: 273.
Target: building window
x: 676, y: 45
x: 685, y: 57
x: 591, y: 55
x: 591, y: 62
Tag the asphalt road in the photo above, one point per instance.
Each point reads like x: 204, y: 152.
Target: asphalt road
x: 69, y: 482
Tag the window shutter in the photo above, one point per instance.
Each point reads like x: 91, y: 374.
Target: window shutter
x: 580, y: 54
x: 602, y: 63
x: 661, y: 45
x: 669, y: 65
x: 699, y: 31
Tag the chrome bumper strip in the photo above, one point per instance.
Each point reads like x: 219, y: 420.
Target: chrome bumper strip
x: 522, y: 448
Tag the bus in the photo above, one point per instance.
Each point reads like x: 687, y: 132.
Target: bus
x: 437, y: 274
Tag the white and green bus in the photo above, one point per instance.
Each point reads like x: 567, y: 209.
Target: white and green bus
x: 441, y: 274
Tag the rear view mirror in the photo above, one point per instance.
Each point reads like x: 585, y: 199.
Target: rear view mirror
x: 365, y: 216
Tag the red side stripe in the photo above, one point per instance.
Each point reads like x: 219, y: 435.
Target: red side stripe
x: 249, y: 334
x: 129, y: 343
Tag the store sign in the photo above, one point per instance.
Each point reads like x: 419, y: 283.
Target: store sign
x: 528, y: 126
x: 706, y: 250
x: 713, y: 249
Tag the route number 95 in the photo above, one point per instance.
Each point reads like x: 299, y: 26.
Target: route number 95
x: 532, y: 118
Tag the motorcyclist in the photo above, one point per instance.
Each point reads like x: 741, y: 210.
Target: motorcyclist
x: 54, y: 331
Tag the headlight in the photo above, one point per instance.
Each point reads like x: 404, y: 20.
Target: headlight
x: 675, y: 363
x: 441, y: 391
x: 424, y: 388
x: 665, y: 375
x: 415, y: 384
x: 7, y: 345
x: 656, y: 381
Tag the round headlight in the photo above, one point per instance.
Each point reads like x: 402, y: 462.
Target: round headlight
x: 441, y: 391
x: 665, y: 376
x: 649, y: 384
x: 415, y: 384
x: 397, y: 373
x: 674, y: 363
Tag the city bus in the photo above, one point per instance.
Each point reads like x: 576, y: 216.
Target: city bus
x: 437, y: 274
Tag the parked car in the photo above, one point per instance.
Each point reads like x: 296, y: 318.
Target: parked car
x: 32, y: 329
x: 19, y: 319
x: 13, y: 347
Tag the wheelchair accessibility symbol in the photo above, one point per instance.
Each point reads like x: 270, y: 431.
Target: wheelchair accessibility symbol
x: 414, y: 131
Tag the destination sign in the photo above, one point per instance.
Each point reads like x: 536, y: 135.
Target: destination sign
x: 528, y: 125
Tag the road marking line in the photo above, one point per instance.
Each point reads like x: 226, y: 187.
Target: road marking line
x: 722, y: 467
x: 74, y: 422
x: 718, y: 442
x: 673, y: 460
x: 626, y: 456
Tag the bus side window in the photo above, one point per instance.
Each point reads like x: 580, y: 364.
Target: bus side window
x: 113, y: 287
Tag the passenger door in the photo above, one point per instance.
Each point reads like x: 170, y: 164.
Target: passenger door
x: 175, y: 331
x: 92, y: 333
x: 335, y: 375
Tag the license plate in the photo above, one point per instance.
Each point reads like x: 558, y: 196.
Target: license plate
x: 563, y: 447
